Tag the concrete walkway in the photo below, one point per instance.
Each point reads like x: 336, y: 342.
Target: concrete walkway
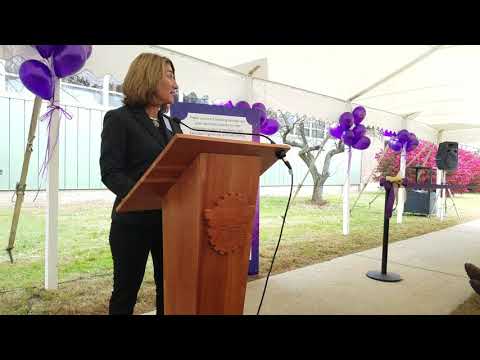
x: 431, y: 266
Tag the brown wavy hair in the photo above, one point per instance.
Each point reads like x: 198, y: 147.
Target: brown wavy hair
x: 140, y: 83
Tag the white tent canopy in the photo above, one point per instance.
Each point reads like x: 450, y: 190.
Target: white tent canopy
x: 437, y: 92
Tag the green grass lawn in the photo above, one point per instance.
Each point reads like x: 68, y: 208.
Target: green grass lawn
x: 311, y: 235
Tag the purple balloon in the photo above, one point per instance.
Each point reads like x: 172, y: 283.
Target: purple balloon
x: 359, y: 114
x: 263, y: 117
x: 359, y: 130
x: 346, y: 120
x: 411, y: 145
x: 349, y: 137
x: 37, y: 77
x: 88, y: 50
x: 270, y: 127
x: 395, y: 145
x: 336, y: 132
x: 242, y: 105
x: 411, y: 137
x: 263, y: 112
x: 362, y: 143
x: 355, y: 139
x: 259, y: 106
x: 403, y: 136
x: 46, y: 51
x: 69, y: 60
x: 229, y: 104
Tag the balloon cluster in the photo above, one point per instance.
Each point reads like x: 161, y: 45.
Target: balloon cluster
x: 65, y: 60
x: 350, y: 130
x: 402, y: 139
x: 268, y: 126
x: 39, y: 77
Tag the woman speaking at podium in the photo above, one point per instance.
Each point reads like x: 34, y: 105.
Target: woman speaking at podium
x: 132, y: 137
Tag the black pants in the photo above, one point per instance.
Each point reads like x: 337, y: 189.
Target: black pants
x: 130, y: 246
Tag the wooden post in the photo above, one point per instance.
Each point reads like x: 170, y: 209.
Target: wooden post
x: 51, y: 228
x: 21, y: 185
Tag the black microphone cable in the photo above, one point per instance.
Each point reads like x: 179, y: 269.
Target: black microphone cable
x: 280, y: 155
x: 281, y: 231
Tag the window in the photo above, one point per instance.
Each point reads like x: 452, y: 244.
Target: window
x: 318, y: 129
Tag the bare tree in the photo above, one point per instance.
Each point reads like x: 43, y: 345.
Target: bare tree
x: 293, y: 133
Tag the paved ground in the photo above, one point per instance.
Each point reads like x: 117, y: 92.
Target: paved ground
x: 431, y: 265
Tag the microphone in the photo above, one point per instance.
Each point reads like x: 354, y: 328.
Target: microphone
x: 280, y: 153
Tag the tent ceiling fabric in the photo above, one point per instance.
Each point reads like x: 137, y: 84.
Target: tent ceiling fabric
x: 440, y: 90
x: 105, y: 59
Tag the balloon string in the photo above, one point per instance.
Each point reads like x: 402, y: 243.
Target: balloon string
x: 49, y: 150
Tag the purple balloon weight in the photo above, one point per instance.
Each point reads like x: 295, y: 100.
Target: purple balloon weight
x: 336, y: 132
x: 403, y: 136
x: 46, y: 51
x: 359, y: 114
x: 242, y: 105
x: 395, y: 145
x: 69, y: 60
x: 37, y: 77
x: 259, y: 106
x: 359, y: 130
x: 362, y: 143
x: 270, y: 127
x: 346, y: 120
x: 349, y: 137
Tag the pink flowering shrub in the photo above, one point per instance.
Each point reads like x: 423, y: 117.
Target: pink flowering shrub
x: 467, y: 173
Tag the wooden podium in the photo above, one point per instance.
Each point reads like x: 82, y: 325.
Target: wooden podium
x: 207, y: 188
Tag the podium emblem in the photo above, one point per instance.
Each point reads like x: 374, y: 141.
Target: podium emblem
x: 229, y: 223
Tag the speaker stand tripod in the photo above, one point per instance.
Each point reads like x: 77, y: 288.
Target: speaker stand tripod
x: 442, y: 196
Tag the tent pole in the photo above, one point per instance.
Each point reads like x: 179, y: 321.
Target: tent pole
x: 395, y: 73
x: 51, y: 228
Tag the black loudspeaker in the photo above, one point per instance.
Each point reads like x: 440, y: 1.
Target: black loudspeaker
x: 447, y: 155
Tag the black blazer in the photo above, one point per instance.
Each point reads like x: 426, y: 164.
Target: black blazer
x: 130, y: 143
